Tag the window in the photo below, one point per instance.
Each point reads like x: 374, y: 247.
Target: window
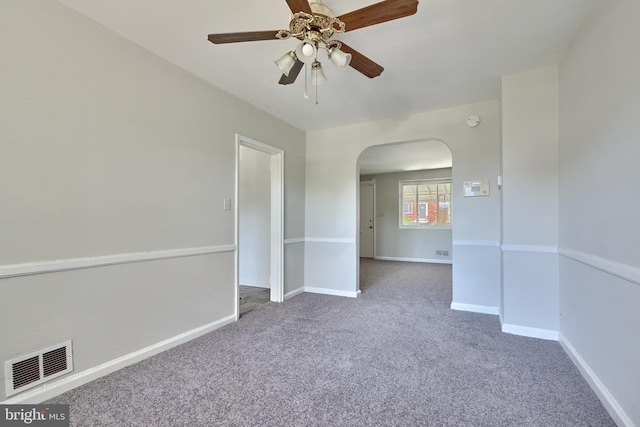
x: 425, y: 203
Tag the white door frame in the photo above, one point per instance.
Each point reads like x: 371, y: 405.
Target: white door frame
x: 277, y: 216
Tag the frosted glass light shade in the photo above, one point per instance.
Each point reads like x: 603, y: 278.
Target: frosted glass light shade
x: 317, y: 74
x: 306, y: 51
x: 286, y: 62
x: 340, y: 59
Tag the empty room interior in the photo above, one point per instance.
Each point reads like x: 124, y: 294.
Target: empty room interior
x: 434, y: 224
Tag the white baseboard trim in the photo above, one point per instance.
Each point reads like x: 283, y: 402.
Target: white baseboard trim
x: 335, y: 292
x: 425, y: 260
x: 494, y: 243
x: 526, y: 331
x: 41, y: 267
x: 608, y: 401
x: 55, y: 388
x: 293, y: 293
x: 485, y: 309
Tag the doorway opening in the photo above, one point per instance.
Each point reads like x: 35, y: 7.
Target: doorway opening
x: 367, y: 215
x: 390, y: 225
x: 259, y: 230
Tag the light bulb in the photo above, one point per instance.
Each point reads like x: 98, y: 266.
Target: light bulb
x: 307, y: 49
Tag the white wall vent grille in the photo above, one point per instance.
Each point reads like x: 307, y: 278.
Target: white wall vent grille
x: 38, y: 367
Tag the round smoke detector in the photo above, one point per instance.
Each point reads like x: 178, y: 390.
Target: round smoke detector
x: 473, y: 121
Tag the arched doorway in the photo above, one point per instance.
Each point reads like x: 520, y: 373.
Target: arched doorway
x: 408, y: 216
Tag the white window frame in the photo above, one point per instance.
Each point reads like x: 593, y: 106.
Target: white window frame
x: 401, y: 204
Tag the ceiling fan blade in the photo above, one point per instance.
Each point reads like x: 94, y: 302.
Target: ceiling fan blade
x: 299, y: 6
x: 293, y: 74
x: 362, y: 63
x: 378, y: 13
x: 249, y: 36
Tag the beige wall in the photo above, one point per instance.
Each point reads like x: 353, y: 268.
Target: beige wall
x: 110, y: 155
x: 529, y: 103
x: 600, y: 206
x: 332, y: 197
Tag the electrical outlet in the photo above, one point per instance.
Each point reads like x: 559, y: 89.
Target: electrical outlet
x: 438, y: 252
x: 445, y: 253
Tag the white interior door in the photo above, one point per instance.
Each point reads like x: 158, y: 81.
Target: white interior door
x: 367, y: 223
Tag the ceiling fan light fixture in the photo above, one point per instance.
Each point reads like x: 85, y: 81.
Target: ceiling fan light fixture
x: 286, y: 62
x: 307, y: 51
x: 340, y: 59
x: 315, y: 24
x: 317, y: 74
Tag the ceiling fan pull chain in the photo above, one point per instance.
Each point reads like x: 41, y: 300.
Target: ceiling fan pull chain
x: 306, y: 94
x: 316, y: 94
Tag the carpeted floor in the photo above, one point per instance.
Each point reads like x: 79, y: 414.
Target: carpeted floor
x: 395, y: 356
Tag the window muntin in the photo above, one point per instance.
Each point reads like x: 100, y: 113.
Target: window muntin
x: 425, y: 203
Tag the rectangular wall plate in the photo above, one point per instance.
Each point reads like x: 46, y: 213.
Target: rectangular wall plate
x: 475, y: 188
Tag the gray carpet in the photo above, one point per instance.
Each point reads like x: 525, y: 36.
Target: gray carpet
x: 395, y: 356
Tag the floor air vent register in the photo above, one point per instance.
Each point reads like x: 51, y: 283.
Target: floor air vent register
x: 38, y: 367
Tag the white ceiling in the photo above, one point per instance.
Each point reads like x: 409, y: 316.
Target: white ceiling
x: 408, y: 156
x: 451, y: 52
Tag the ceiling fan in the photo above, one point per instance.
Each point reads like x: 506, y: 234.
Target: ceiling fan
x: 314, y: 24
